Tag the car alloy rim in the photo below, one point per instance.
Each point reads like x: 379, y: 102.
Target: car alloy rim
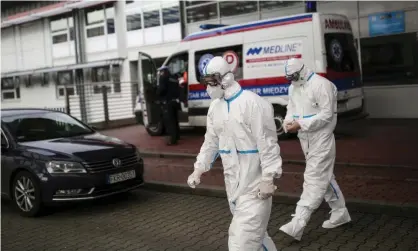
x: 279, y: 125
x: 24, y: 194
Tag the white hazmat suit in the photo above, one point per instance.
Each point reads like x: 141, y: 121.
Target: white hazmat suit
x: 241, y: 129
x: 313, y: 104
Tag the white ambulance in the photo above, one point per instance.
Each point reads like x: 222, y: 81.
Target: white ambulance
x: 257, y: 52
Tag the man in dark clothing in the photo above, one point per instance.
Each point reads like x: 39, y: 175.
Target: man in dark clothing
x: 168, y: 92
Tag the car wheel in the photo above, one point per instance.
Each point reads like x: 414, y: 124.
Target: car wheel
x: 156, y: 129
x: 26, y: 194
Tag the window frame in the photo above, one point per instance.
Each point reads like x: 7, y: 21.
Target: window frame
x: 64, y: 86
x: 140, y: 21
x: 67, y: 31
x: 110, y: 84
x: 103, y: 24
x: 203, y: 6
x: 168, y: 8
x: 159, y: 18
x: 372, y: 73
x: 15, y: 90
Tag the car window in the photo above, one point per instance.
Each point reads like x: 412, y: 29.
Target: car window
x: 43, y: 126
x: 4, y: 141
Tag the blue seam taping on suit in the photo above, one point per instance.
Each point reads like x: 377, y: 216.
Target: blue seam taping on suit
x: 228, y: 101
x: 310, y: 76
x: 335, y: 191
x: 235, y: 96
x: 307, y: 116
x: 241, y: 152
x: 264, y: 247
x: 248, y: 151
x: 214, y: 159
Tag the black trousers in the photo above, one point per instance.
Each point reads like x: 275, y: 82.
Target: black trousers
x: 171, y: 121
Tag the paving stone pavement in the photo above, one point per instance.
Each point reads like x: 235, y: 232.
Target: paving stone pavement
x: 146, y: 220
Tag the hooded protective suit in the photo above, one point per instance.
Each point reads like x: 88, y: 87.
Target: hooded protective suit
x: 313, y: 104
x: 241, y: 129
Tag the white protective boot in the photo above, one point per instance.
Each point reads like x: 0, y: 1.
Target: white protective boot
x: 339, y: 213
x: 298, y: 223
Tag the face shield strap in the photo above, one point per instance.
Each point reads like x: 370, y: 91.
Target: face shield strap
x: 295, y: 76
x: 214, y: 79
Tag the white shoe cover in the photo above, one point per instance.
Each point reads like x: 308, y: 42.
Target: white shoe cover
x: 338, y: 217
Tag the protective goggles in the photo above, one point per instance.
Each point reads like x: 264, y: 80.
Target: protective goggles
x: 295, y: 76
x: 212, y: 79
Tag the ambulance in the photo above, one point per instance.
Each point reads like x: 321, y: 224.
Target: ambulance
x: 257, y: 52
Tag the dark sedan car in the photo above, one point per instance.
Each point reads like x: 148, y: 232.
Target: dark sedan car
x: 49, y: 156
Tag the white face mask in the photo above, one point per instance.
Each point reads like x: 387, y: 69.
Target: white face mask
x: 215, y: 92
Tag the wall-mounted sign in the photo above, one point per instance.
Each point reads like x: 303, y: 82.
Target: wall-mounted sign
x: 386, y: 23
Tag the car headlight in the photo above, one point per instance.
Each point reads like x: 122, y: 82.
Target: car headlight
x: 64, y: 167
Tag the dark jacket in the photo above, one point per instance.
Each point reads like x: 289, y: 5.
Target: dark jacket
x: 168, y: 88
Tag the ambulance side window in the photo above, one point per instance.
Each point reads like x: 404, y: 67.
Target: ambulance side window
x: 237, y: 49
x: 341, y: 52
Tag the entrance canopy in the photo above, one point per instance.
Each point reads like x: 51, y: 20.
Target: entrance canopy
x: 115, y: 61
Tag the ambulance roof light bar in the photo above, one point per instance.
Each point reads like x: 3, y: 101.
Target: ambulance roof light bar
x: 211, y: 26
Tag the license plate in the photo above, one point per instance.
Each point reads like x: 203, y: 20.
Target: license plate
x: 119, y: 177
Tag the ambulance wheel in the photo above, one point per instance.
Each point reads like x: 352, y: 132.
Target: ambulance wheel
x: 155, y: 129
x: 279, y: 115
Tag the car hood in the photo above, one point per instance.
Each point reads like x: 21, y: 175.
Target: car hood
x: 92, y: 147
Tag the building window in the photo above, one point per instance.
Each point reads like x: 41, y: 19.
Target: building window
x: 133, y: 22
x: 390, y: 59
x: 171, y: 15
x: 108, y: 76
x: 62, y: 29
x: 272, y: 5
x: 196, y: 2
x: 110, y: 20
x: 95, y: 15
x: 59, y: 38
x: 100, y: 20
x: 152, y: 19
x: 202, y: 12
x: 65, y: 84
x: 232, y: 8
x: 95, y: 32
x: 10, y: 88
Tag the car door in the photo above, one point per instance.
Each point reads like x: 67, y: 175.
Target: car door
x: 6, y: 162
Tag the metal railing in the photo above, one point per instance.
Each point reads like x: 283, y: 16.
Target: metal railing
x: 104, y: 104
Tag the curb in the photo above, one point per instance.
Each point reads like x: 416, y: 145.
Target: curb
x: 297, y: 162
x: 374, y: 207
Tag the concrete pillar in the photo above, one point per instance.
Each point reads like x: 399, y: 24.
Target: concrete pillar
x: 121, y: 36
x: 47, y: 42
x: 80, y: 57
x: 127, y: 86
x: 18, y: 46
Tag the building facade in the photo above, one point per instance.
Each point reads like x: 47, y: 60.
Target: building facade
x: 60, y: 49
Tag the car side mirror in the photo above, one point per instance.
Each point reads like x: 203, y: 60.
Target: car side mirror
x: 94, y: 128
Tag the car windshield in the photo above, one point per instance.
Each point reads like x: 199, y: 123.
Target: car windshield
x: 44, y: 126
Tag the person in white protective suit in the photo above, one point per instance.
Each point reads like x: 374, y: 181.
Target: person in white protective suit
x: 312, y: 112
x: 241, y: 129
